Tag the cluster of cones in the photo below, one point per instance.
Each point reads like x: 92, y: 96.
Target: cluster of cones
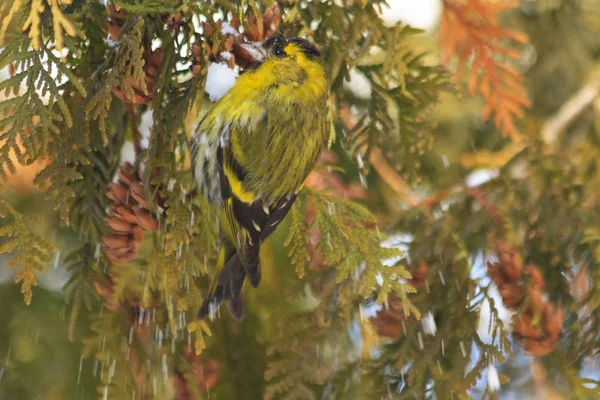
x: 538, y: 325
x: 388, y: 322
x: 226, y: 50
x: 128, y: 216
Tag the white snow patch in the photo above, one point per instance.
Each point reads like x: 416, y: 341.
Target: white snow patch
x: 227, y: 29
x: 379, y: 279
x: 422, y: 14
x: 504, y: 314
x: 493, y: 378
x: 359, y: 85
x: 111, y: 42
x: 226, y: 55
x: 127, y: 153
x: 481, y: 176
x: 219, y: 80
x: 428, y: 322
x: 145, y: 128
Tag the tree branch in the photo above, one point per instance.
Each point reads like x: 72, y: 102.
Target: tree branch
x: 569, y: 111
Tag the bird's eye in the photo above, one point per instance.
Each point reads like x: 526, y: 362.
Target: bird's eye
x: 280, y: 53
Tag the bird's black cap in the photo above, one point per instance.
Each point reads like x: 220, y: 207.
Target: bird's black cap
x: 279, y: 41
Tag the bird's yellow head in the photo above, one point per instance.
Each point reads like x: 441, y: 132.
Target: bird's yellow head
x: 290, y: 68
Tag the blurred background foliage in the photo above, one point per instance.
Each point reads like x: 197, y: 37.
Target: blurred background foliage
x: 446, y: 246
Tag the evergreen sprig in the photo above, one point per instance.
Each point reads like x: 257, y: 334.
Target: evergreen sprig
x: 124, y: 70
x: 32, y: 251
x: 292, y: 371
x: 31, y: 14
x: 542, y: 198
x: 30, y: 118
x: 395, y: 120
x: 297, y: 242
x: 82, y: 264
x: 60, y: 175
x: 350, y: 241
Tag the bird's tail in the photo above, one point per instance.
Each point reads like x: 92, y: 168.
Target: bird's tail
x: 227, y: 286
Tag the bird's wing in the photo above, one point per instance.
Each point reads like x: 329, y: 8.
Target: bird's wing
x: 251, y: 221
x: 224, y: 180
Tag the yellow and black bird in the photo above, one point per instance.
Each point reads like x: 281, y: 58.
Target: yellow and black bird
x: 253, y: 150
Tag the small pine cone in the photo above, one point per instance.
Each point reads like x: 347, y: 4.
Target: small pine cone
x: 260, y: 29
x: 153, y: 60
x: 129, y: 215
x: 510, y: 261
x: 511, y: 294
x: 536, y: 277
x: 523, y: 327
x: 218, y: 51
x: 542, y: 339
x: 388, y: 322
x: 537, y: 338
x: 257, y: 30
x: 151, y: 67
x: 116, y: 20
x: 174, y: 21
x: 506, y: 273
x: 419, y: 275
x: 197, y: 57
x: 552, y: 319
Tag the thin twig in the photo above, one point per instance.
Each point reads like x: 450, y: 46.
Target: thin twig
x: 391, y: 177
x: 569, y: 111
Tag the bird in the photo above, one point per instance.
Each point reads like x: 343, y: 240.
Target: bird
x: 252, y: 151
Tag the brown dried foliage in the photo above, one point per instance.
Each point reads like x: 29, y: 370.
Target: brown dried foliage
x: 388, y: 321
x: 537, y: 326
x: 128, y: 217
x: 470, y: 30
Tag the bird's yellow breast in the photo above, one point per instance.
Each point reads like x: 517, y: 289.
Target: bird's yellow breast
x: 274, y: 123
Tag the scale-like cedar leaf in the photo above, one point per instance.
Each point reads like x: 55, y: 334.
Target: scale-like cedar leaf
x: 30, y: 117
x: 123, y: 70
x: 351, y: 243
x: 80, y: 291
x: 297, y: 241
x: 32, y: 251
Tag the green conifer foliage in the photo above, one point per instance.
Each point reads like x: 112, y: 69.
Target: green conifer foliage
x: 450, y: 230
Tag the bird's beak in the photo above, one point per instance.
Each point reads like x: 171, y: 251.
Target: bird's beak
x: 255, y: 49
